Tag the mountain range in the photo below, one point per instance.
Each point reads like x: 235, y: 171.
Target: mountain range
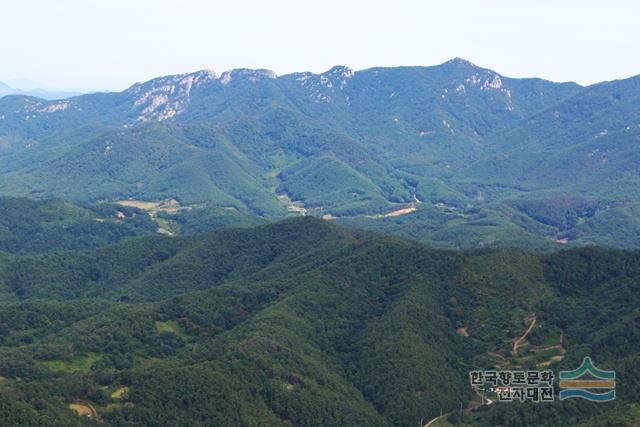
x: 454, y: 154
x: 35, y: 91
x: 251, y: 249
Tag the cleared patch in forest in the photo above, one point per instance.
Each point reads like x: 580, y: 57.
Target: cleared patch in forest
x: 120, y: 393
x: 168, y: 206
x: 169, y: 326
x: 84, y: 409
x: 77, y: 364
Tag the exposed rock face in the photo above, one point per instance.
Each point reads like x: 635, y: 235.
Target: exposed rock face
x: 246, y: 74
x: 163, y: 98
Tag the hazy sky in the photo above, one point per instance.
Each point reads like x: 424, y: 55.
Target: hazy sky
x: 110, y: 44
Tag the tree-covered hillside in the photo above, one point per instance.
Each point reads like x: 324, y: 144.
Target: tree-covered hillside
x: 304, y: 323
x: 53, y: 225
x: 464, y: 145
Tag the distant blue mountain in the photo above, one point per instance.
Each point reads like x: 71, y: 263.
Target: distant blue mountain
x: 50, y: 95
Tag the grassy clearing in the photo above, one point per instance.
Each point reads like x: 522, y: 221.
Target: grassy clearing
x: 296, y: 207
x: 170, y: 326
x: 120, y: 393
x: 83, y: 409
x: 169, y: 206
x: 78, y: 364
x: 166, y: 226
x: 139, y: 204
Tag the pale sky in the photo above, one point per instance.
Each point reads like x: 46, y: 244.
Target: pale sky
x: 110, y: 44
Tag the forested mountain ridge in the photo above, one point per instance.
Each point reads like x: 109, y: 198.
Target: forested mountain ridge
x: 477, y: 154
x: 301, y: 322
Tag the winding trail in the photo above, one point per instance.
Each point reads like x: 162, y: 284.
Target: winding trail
x: 514, y: 350
x: 519, y: 341
x: 436, y: 419
x: 470, y: 407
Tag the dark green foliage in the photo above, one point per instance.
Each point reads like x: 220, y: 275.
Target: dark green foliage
x: 32, y: 226
x: 207, y: 218
x: 299, y: 322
